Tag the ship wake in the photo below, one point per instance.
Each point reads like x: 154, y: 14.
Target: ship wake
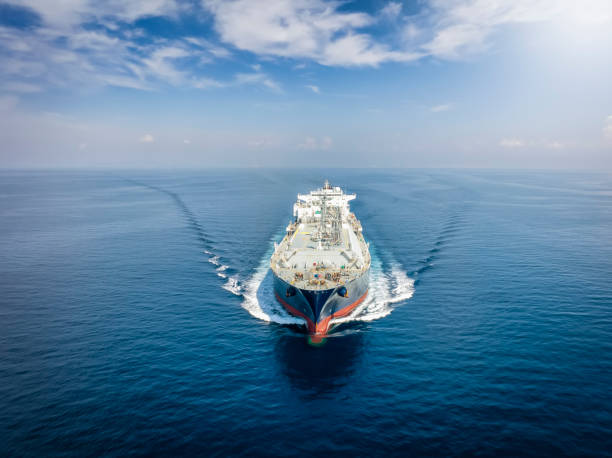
x: 390, y: 286
x: 223, y: 271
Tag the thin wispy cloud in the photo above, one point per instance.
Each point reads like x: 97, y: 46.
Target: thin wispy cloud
x: 20, y: 86
x: 515, y: 143
x: 511, y: 143
x: 607, y: 128
x: 554, y: 144
x: 62, y: 50
x: 313, y: 88
x: 313, y: 143
x: 439, y: 108
x: 391, y: 10
x: 255, y: 78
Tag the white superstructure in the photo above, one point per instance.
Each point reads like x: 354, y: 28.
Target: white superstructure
x: 309, y: 206
x: 324, y: 245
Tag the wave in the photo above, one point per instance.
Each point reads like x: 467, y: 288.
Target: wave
x: 389, y: 287
x: 452, y: 226
x: 258, y: 296
x: 233, y: 285
x: 190, y: 217
x: 221, y: 271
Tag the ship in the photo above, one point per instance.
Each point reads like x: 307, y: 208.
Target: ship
x: 321, y: 268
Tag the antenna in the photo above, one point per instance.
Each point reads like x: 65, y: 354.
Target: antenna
x: 323, y: 221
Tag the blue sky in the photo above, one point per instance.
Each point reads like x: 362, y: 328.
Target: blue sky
x: 198, y: 83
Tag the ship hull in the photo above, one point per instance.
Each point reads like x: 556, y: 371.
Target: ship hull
x: 319, y: 307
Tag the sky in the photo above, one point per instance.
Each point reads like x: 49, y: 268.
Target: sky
x: 317, y: 83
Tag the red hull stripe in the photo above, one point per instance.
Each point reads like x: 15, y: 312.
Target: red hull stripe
x: 321, y: 327
x: 296, y: 312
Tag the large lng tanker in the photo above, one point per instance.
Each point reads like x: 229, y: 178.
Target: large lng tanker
x: 321, y: 267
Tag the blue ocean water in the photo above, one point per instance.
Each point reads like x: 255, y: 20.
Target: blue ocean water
x: 136, y: 316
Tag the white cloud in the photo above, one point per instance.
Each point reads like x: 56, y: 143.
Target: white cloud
x: 160, y: 65
x: 91, y: 59
x: 461, y: 27
x: 410, y: 32
x: 521, y: 143
x: 312, y: 29
x: 147, y: 138
x: 265, y: 142
x: 187, y: 142
x: 313, y: 88
x: 391, y: 10
x: 448, y: 29
x: 451, y: 42
x: 554, y: 144
x: 309, y: 143
x: 255, y: 78
x: 257, y: 143
x: 312, y: 143
x: 21, y: 86
x: 511, y: 143
x: 65, y: 52
x: 83, y: 59
x: 67, y: 13
x: 360, y: 49
x: 207, y: 46
x: 439, y: 108
x: 607, y: 129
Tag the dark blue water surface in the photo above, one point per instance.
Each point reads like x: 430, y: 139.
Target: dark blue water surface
x: 134, y: 316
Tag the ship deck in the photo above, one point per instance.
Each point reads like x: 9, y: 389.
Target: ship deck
x: 300, y: 262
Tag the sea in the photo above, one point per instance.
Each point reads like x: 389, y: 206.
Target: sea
x: 137, y: 316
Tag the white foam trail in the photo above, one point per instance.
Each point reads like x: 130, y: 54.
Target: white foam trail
x: 386, y: 289
x: 259, y: 298
x: 403, y: 285
x: 214, y: 260
x: 233, y: 286
x: 222, y: 269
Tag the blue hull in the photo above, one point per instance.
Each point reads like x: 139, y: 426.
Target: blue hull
x: 318, y: 307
